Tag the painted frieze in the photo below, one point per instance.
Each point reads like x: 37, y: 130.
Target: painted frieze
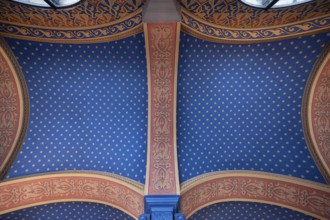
x: 162, y: 51
x: 316, y: 113
x: 14, y: 108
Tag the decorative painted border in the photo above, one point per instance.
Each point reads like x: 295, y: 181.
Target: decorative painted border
x: 191, y: 24
x: 199, y: 28
x: 109, y: 189
x: 316, y: 112
x: 304, y: 196
x: 162, y: 46
x: 14, y: 108
x: 86, y: 14
x: 119, y: 29
x: 236, y: 14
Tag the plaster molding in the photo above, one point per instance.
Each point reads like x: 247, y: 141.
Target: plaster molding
x: 304, y: 196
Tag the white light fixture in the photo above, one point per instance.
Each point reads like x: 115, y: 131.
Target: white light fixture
x: 266, y: 4
x: 49, y: 3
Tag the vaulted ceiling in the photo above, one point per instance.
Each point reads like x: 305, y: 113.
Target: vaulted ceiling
x: 252, y: 111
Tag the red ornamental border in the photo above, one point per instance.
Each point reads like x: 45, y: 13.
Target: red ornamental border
x: 118, y: 192
x: 14, y: 108
x: 300, y: 195
x: 162, y: 55
x: 9, y: 109
x: 316, y: 112
x: 320, y: 113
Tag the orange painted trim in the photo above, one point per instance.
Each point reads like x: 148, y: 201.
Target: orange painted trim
x: 119, y: 192
x: 304, y: 196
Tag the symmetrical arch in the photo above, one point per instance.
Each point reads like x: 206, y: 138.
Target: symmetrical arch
x: 116, y: 191
x: 14, y: 108
x: 127, y: 195
x: 300, y: 195
x: 316, y: 121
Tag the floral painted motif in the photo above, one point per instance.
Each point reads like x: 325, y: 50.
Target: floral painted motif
x: 73, y: 187
x: 317, y: 113
x: 162, y: 74
x: 12, y: 111
x: 234, y: 14
x: 257, y: 187
x: 87, y: 14
x: 210, y: 32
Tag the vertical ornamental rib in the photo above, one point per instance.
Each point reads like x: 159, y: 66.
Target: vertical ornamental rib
x: 162, y: 48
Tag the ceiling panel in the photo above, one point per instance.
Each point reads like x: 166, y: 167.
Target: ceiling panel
x: 88, y: 107
x: 246, y: 211
x: 239, y: 106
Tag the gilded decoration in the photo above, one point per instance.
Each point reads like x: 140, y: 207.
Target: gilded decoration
x: 162, y: 55
x: 113, y: 31
x: 234, y: 14
x: 208, y: 31
x: 71, y: 186
x: 107, y: 20
x: 89, y: 22
x: 316, y: 112
x: 14, y: 108
x: 234, y: 22
x: 304, y: 196
x: 87, y: 14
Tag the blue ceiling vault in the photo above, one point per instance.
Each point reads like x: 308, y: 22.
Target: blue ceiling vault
x: 88, y: 107
x: 239, y: 106
x: 68, y: 211
x: 246, y: 211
